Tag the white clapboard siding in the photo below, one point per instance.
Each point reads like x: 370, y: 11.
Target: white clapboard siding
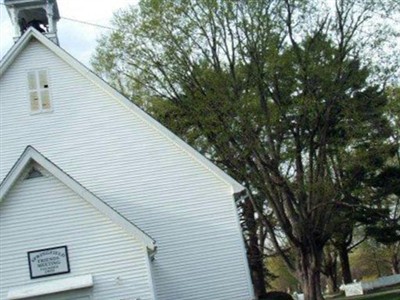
x: 125, y: 161
x: 43, y: 213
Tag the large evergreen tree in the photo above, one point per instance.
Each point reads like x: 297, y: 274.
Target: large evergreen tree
x: 274, y: 92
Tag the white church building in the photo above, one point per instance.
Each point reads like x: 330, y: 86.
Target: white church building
x: 98, y: 200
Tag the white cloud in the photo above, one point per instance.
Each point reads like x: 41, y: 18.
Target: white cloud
x: 76, y: 38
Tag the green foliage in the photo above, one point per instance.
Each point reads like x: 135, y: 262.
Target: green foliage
x: 386, y: 184
x: 285, y: 279
x: 370, y: 260
x: 277, y: 93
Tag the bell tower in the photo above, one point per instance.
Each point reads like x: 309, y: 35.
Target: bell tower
x: 43, y: 15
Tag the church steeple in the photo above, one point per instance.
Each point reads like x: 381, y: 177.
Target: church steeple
x: 43, y: 15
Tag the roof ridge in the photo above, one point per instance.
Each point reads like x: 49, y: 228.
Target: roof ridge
x: 236, y: 187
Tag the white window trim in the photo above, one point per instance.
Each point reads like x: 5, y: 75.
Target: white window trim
x: 39, y: 90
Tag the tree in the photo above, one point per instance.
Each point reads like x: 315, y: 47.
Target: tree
x: 370, y: 261
x: 284, y: 279
x: 274, y: 92
x: 329, y: 268
x: 386, y: 187
x: 376, y: 184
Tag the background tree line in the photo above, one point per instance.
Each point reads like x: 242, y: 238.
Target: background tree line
x: 296, y: 99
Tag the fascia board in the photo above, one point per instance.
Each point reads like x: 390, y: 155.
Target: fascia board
x: 147, y: 119
x: 15, y: 50
x: 31, y: 154
x: 14, y: 174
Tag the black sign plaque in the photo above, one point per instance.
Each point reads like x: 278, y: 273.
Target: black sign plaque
x: 48, y: 262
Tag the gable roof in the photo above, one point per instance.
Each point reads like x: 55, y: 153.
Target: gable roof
x: 32, y: 33
x: 31, y: 155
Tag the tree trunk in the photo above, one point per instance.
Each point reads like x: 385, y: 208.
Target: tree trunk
x: 345, y: 265
x: 332, y: 284
x: 330, y: 269
x: 331, y: 272
x: 395, y: 264
x: 309, y: 268
x: 254, y: 255
x: 377, y: 264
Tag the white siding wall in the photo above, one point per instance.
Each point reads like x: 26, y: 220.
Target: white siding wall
x: 43, y: 213
x: 128, y: 164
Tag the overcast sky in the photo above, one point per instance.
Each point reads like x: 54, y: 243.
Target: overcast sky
x: 76, y: 38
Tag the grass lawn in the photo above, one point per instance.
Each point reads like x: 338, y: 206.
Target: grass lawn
x: 391, y: 296
x: 386, y: 295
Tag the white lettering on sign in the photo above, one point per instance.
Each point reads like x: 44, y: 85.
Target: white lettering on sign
x: 48, y: 262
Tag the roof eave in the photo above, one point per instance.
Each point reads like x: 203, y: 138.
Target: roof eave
x: 31, y: 32
x: 31, y: 154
